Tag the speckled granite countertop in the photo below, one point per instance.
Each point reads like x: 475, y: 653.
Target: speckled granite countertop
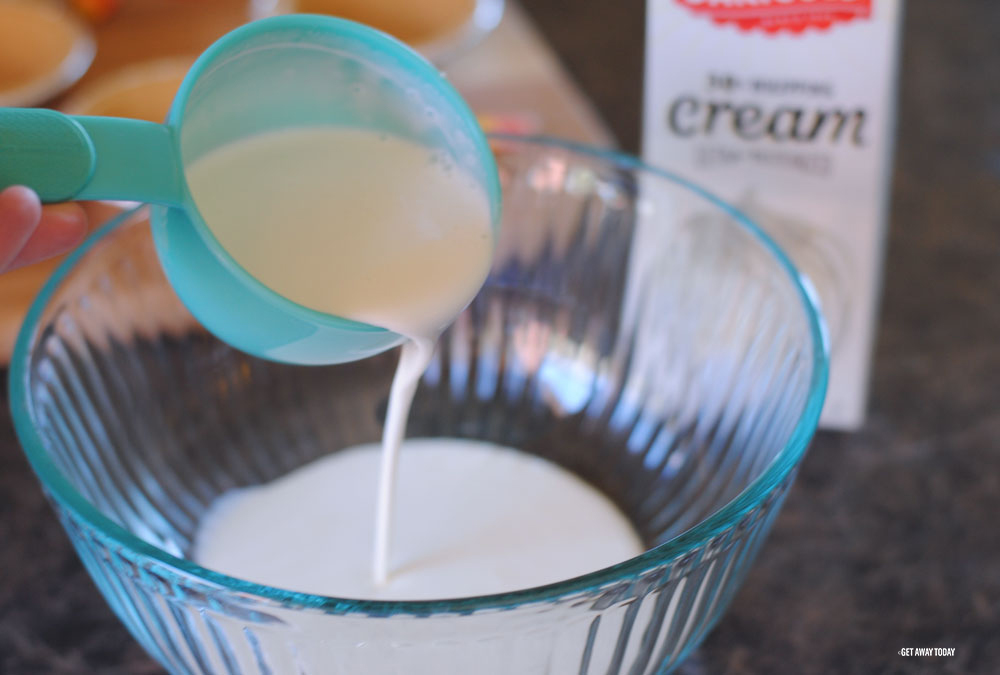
x: 891, y: 536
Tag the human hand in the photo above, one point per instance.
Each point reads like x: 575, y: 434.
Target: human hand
x: 30, y: 232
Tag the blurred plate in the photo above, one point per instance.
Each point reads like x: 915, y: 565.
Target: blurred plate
x: 441, y: 30
x: 43, y: 51
x: 142, y: 91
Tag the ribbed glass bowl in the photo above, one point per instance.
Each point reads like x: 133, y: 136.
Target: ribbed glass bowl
x: 676, y: 363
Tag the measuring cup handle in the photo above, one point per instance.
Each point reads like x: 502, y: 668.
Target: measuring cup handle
x: 65, y: 157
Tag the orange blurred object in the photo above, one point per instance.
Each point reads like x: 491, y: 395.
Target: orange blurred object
x: 411, y: 22
x: 96, y: 11
x: 524, y: 124
x: 43, y: 50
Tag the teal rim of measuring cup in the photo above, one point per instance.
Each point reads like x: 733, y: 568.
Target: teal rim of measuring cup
x: 374, y: 39
x: 185, y: 571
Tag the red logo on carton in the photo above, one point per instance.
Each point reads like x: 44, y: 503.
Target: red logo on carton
x: 774, y: 16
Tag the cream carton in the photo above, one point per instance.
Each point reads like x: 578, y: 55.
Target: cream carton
x: 785, y: 108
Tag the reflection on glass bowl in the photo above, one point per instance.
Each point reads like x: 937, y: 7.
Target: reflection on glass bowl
x: 820, y: 254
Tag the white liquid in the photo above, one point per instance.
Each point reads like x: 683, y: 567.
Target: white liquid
x: 350, y: 222
x: 472, y: 519
x: 413, y: 361
x: 357, y: 224
x: 380, y: 230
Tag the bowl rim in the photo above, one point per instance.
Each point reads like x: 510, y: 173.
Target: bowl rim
x: 59, y: 489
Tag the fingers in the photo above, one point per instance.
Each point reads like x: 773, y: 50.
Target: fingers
x: 20, y: 211
x: 30, y: 233
x: 61, y: 228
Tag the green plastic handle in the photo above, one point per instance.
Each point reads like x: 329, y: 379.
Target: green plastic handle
x: 65, y: 157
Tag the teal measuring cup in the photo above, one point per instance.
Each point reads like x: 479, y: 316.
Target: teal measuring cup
x: 276, y: 73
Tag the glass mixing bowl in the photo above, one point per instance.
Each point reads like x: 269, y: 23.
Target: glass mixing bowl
x: 677, y: 365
